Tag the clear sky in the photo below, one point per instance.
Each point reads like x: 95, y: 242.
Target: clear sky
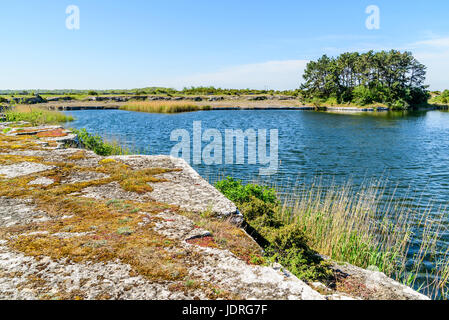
x: 228, y: 43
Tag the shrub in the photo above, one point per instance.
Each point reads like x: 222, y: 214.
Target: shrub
x: 362, y: 95
x: 238, y: 193
x: 399, y: 105
x: 283, y: 242
x: 97, y: 145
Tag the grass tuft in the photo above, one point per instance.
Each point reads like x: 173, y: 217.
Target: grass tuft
x: 36, y: 115
x: 163, y: 107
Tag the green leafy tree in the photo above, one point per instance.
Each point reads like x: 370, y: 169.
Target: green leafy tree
x: 393, y: 77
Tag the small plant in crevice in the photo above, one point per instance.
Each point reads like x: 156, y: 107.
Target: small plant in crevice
x: 98, y: 145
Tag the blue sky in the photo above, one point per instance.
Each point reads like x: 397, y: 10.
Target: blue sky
x: 177, y: 43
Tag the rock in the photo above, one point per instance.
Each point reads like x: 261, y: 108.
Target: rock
x: 22, y: 169
x: 377, y: 285
x: 216, y: 99
x: 259, y: 98
x: 185, y: 188
x: 36, y: 99
x: 42, y: 182
x: 55, y: 99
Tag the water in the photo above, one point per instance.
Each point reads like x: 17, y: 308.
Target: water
x: 410, y: 149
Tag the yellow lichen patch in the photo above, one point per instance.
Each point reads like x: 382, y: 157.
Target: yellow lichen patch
x: 52, y: 133
x: 107, y: 161
x: 79, y: 155
x: 8, y: 143
x: 82, y: 230
x: 16, y: 187
x: 132, y: 180
x: 67, y: 189
x: 7, y: 159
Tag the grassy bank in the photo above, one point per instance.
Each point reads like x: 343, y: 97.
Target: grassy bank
x: 163, y: 107
x: 347, y: 226
x: 36, y: 115
x: 97, y: 144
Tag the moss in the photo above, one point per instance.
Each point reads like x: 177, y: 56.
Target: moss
x: 96, y: 230
x: 79, y: 155
x: 99, y: 228
x: 149, y: 253
x: 228, y: 236
x: 7, y: 159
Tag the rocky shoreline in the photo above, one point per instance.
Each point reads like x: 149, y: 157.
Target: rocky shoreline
x: 251, y: 102
x: 75, y: 225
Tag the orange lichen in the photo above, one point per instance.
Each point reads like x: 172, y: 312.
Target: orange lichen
x: 204, y: 242
x: 52, y: 133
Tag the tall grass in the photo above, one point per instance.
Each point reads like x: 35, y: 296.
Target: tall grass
x: 36, y: 115
x: 365, y: 227
x: 368, y: 229
x: 98, y: 145
x: 163, y: 107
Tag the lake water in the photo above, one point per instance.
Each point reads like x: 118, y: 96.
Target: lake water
x: 410, y: 149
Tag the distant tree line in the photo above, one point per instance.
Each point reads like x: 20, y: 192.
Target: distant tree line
x: 157, y: 91
x: 393, y: 78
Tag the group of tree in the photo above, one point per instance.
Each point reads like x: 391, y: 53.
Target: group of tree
x: 393, y: 78
x: 441, y: 97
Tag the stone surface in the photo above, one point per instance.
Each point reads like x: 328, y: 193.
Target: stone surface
x: 377, y: 285
x: 41, y: 182
x: 185, y: 188
x: 177, y: 201
x: 22, y: 169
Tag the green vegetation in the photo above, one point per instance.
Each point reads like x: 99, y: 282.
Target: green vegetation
x: 98, y: 145
x: 283, y: 242
x: 149, y: 91
x: 36, y: 116
x: 346, y: 226
x: 392, y: 78
x: 442, y: 98
x: 163, y: 107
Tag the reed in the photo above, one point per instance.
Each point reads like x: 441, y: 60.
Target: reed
x: 365, y: 227
x: 36, y: 115
x: 163, y: 107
